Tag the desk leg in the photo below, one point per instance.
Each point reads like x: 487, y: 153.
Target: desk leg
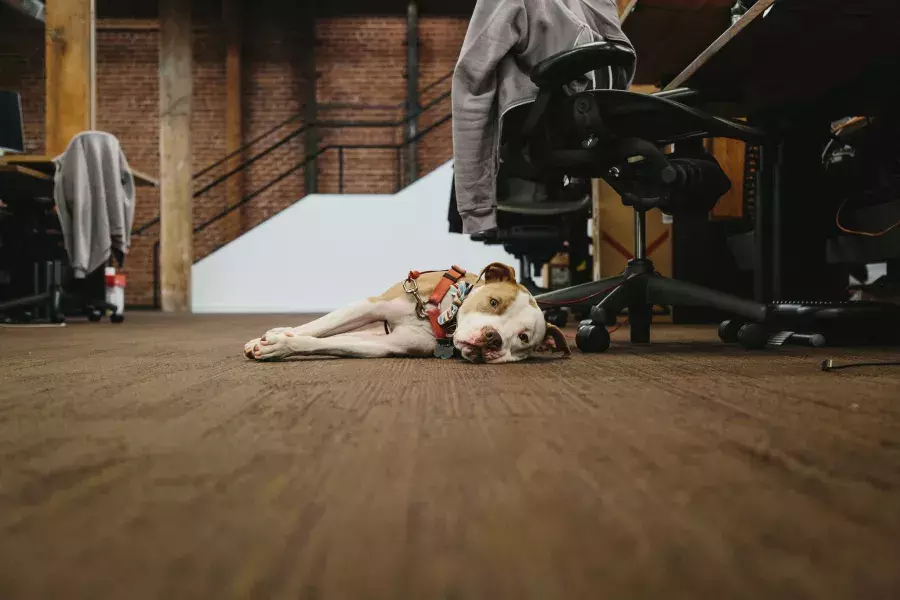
x: 795, y: 214
x: 767, y: 229
x: 775, y: 221
x: 38, y: 290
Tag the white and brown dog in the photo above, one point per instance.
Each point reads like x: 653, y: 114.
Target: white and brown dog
x: 487, y: 318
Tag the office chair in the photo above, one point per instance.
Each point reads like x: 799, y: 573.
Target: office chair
x: 538, y: 217
x: 620, y: 136
x: 33, y: 228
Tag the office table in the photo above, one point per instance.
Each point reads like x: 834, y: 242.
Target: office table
x: 44, y: 164
x: 792, y: 53
x: 792, y: 67
x: 668, y: 34
x: 21, y: 181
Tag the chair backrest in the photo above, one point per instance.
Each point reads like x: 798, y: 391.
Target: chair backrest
x: 597, y: 65
x: 613, y: 61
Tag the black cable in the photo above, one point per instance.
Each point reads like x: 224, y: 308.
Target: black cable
x: 828, y: 365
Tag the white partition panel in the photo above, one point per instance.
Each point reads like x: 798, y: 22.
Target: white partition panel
x: 326, y: 251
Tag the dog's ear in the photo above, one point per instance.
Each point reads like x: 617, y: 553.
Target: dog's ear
x: 497, y: 272
x: 555, y: 341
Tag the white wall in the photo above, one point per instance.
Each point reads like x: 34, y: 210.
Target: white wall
x: 327, y: 251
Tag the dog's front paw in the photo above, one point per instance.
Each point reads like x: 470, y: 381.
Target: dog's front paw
x: 271, y: 346
x: 278, y: 330
x: 249, y: 346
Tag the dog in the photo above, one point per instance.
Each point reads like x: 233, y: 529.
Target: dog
x: 488, y: 318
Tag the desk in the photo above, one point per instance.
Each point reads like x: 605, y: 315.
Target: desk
x: 668, y: 34
x: 44, y: 164
x: 790, y: 54
x: 792, y: 67
x: 22, y: 181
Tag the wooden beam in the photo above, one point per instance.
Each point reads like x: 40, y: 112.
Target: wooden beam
x: 176, y: 242
x: 231, y: 20
x: 70, y: 71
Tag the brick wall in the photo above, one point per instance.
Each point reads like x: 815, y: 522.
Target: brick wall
x: 128, y: 105
x: 359, y: 60
x: 363, y: 61
x: 440, y: 41
x: 272, y: 91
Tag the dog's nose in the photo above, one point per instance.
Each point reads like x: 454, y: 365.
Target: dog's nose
x: 492, y: 339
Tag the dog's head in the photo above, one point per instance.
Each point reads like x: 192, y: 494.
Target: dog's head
x: 500, y: 321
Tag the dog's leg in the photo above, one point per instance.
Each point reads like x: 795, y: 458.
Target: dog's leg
x: 341, y: 321
x: 403, y: 341
x: 348, y: 319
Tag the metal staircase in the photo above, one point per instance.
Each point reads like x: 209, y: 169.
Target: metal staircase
x: 214, y: 175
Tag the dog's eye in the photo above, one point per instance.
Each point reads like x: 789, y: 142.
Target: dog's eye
x: 523, y: 337
x: 494, y: 303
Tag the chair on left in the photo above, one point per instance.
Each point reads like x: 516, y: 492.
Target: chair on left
x: 30, y: 228
x: 63, y: 244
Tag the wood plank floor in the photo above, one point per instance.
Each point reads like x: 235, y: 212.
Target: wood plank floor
x: 151, y: 460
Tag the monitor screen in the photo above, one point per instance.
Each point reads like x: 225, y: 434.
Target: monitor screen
x: 12, y: 134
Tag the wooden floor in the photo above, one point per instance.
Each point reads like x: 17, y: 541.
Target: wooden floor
x: 151, y: 460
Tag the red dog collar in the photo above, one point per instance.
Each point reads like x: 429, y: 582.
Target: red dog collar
x: 431, y: 309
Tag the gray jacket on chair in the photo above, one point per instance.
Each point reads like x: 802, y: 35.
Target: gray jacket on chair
x: 94, y: 195
x: 505, y: 40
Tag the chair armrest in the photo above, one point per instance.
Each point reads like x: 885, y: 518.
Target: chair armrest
x: 485, y: 237
x: 569, y: 65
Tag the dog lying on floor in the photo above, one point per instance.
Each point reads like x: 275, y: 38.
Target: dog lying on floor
x: 429, y: 314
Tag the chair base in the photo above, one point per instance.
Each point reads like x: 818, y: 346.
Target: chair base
x: 638, y: 289
x: 52, y: 304
x: 46, y: 301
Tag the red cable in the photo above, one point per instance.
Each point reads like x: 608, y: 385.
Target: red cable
x: 609, y: 291
x: 619, y: 326
x: 837, y: 221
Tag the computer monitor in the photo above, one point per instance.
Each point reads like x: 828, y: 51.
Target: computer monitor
x: 12, y: 132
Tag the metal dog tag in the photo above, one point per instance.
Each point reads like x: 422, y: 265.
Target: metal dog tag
x: 444, y: 349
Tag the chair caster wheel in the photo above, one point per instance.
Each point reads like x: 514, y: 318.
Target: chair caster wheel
x: 752, y: 336
x: 58, y: 320
x: 556, y: 317
x: 599, y: 317
x: 94, y: 315
x: 728, y: 331
x: 592, y: 339
x: 116, y: 318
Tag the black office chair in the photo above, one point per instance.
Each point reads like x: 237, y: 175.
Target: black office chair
x: 620, y: 136
x: 538, y: 216
x: 41, y: 261
x: 537, y: 220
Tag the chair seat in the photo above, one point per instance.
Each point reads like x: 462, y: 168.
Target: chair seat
x: 546, y: 208
x: 525, y: 234
x: 658, y: 119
